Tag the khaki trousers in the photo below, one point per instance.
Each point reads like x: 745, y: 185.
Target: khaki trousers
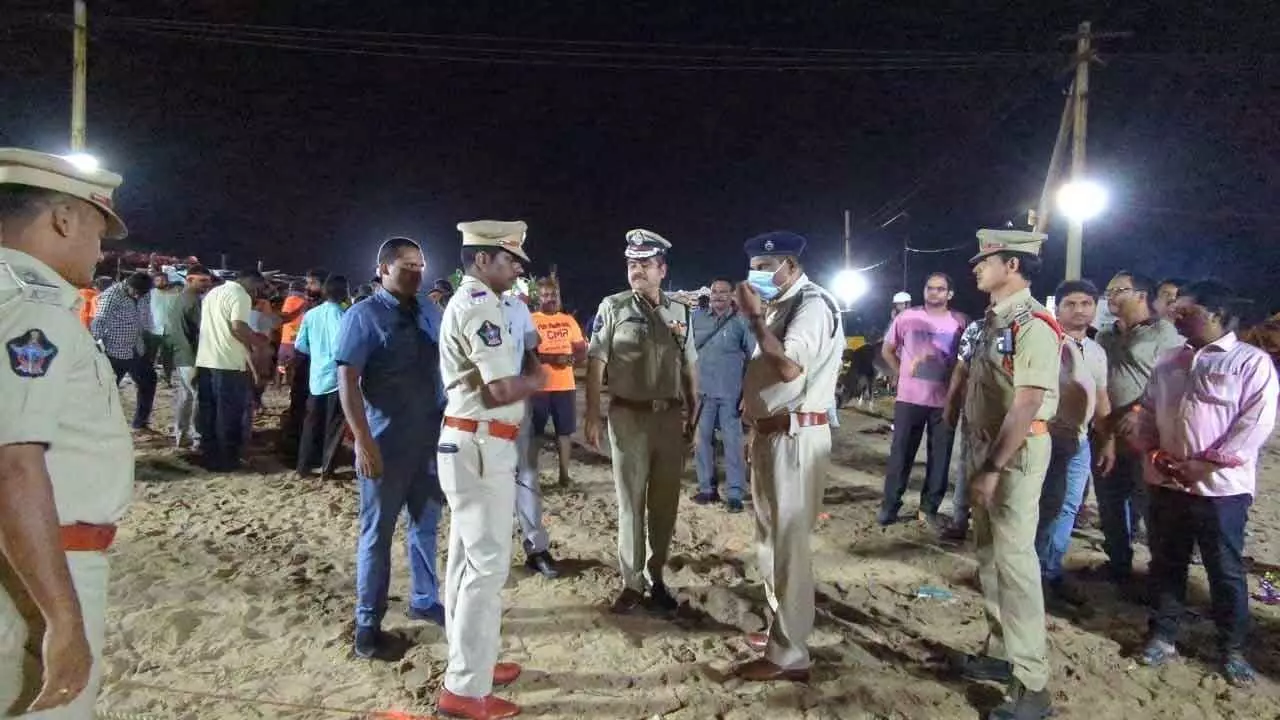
x: 478, y: 477
x: 1008, y: 567
x: 648, y: 451
x: 788, y: 471
x: 21, y: 633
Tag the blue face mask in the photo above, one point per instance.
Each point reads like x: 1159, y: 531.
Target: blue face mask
x: 762, y: 281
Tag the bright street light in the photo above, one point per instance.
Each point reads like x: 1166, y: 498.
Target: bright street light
x: 849, y: 285
x: 83, y: 161
x: 1082, y: 200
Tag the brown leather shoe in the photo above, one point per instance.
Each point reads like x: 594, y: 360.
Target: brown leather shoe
x: 762, y: 670
x: 505, y: 673
x: 469, y: 708
x: 757, y: 641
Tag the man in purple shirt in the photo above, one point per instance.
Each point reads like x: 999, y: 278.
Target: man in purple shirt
x: 1209, y: 407
x: 920, y: 348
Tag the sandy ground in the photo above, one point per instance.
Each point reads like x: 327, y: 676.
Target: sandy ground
x: 231, y: 592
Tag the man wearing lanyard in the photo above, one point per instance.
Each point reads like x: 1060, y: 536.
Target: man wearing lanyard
x: 724, y: 343
x: 389, y: 385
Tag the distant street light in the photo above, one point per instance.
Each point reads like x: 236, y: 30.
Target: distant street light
x: 848, y: 286
x: 83, y: 161
x: 1082, y: 200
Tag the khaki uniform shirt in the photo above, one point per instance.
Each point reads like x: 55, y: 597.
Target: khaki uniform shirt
x: 646, y: 347
x: 813, y: 337
x: 996, y: 370
x: 58, y: 390
x: 475, y: 350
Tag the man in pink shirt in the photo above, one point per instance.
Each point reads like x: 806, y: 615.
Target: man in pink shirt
x: 1206, y: 412
x: 921, y: 348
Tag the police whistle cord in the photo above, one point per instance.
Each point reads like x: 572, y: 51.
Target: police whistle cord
x: 352, y: 712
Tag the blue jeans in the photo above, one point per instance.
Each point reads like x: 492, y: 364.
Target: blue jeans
x: 1060, y: 500
x: 1178, y: 521
x: 402, y: 485
x: 721, y: 413
x: 223, y: 400
x: 1122, y: 506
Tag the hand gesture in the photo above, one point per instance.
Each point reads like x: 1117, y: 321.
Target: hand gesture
x: 591, y: 431
x: 67, y: 662
x: 368, y: 459
x: 982, y: 488
x: 1106, y: 460
x: 748, y: 300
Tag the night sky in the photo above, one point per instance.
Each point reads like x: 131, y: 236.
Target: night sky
x: 304, y: 158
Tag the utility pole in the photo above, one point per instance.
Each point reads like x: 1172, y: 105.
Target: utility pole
x: 848, y: 236
x: 1055, y: 167
x: 79, y: 64
x: 1079, y: 129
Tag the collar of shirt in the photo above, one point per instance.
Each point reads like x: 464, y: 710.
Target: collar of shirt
x: 26, y: 270
x: 428, y: 313
x: 1004, y: 306
x: 794, y: 290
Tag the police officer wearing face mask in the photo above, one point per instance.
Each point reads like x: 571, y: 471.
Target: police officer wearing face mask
x: 786, y: 394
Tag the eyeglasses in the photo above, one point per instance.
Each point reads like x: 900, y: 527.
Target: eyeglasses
x: 1116, y: 292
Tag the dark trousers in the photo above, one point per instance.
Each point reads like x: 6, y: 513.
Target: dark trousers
x: 1177, y: 521
x: 1122, y: 507
x: 143, y: 374
x: 321, y: 432
x: 910, y: 423
x: 157, y: 347
x: 225, y: 397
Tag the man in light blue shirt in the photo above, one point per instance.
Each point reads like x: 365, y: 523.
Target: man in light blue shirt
x: 318, y: 339
x: 536, y: 543
x: 724, y: 344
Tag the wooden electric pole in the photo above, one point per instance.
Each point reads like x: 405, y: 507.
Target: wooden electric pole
x: 79, y: 64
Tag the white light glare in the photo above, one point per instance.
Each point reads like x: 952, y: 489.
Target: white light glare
x: 83, y: 161
x: 849, y: 285
x: 1082, y: 200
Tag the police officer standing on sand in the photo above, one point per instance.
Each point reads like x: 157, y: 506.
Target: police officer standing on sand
x: 66, y: 456
x: 643, y: 337
x: 786, y: 394
x: 1012, y: 394
x: 477, y: 456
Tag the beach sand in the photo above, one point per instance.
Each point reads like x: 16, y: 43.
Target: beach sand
x: 232, y: 595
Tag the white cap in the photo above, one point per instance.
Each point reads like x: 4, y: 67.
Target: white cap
x: 902, y: 297
x: 642, y: 244
x: 503, y: 234
x: 52, y: 172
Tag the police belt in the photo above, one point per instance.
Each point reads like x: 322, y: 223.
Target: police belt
x: 83, y: 537
x: 780, y: 424
x: 506, y: 431
x: 644, y: 405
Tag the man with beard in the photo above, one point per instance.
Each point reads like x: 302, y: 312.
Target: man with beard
x: 786, y: 394
x: 1012, y: 394
x: 391, y: 394
x: 1206, y: 412
x: 920, y: 349
x: 642, y: 336
x: 477, y: 454
x: 1133, y: 343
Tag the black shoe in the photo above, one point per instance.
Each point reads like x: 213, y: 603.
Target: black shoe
x: 707, y: 498
x: 542, y: 562
x: 367, y: 642
x: 433, y: 614
x: 661, y: 601
x: 985, y: 667
x: 734, y: 506
x: 1023, y: 704
x: 627, y: 601
x: 954, y: 532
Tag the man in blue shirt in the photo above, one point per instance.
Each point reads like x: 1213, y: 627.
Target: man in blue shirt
x: 317, y: 340
x: 389, y: 383
x: 536, y: 542
x: 724, y: 344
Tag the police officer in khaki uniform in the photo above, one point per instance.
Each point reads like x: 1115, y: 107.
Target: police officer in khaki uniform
x: 66, y: 456
x: 643, y: 338
x: 486, y: 394
x: 786, y: 394
x: 1012, y: 393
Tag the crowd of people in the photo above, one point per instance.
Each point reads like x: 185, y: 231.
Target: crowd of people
x: 444, y: 394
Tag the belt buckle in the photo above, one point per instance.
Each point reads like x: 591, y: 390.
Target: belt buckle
x: 661, y: 405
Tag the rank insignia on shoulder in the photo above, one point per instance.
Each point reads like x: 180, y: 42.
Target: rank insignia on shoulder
x: 490, y: 334
x: 479, y: 293
x: 31, y: 354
